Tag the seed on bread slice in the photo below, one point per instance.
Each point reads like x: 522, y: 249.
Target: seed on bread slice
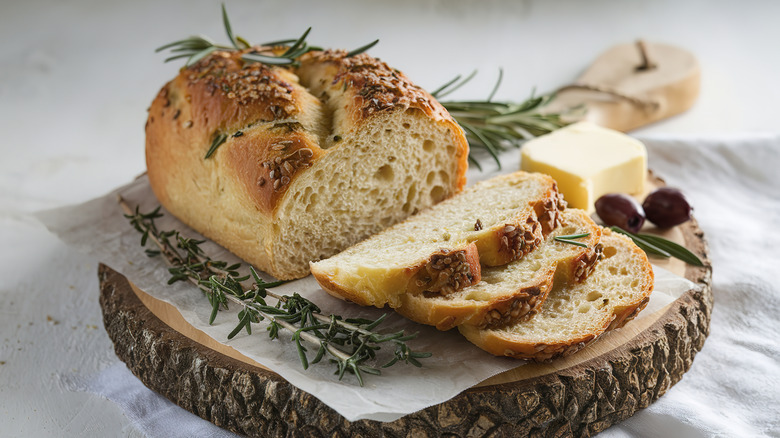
x: 502, y: 219
x: 574, y: 315
x: 517, y: 290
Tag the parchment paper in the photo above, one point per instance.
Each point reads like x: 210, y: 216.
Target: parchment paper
x: 98, y: 228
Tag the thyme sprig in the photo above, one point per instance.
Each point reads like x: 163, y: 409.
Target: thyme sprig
x: 570, y: 239
x: 198, y: 47
x: 657, y: 245
x: 350, y: 343
x: 493, y: 125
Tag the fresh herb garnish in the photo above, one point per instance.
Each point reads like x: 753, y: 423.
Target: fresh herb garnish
x: 350, y: 343
x: 198, y: 47
x: 492, y: 125
x: 217, y: 142
x: 570, y: 239
x: 661, y: 247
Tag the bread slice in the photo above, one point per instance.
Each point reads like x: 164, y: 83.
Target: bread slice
x: 435, y: 251
x: 302, y: 161
x: 517, y: 290
x: 574, y: 315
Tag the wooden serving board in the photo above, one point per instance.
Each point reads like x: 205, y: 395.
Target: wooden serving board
x: 579, y: 395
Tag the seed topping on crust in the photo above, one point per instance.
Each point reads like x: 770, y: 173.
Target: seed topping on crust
x: 379, y: 87
x: 243, y: 82
x: 550, y: 218
x: 587, y: 263
x: 520, y: 241
x: 520, y: 309
x: 445, y: 273
x: 282, y: 168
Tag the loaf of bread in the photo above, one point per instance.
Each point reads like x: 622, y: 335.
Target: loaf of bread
x: 513, y: 292
x: 302, y: 162
x: 443, y: 249
x: 576, y: 314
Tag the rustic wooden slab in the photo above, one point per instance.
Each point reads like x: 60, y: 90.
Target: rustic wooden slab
x: 578, y: 395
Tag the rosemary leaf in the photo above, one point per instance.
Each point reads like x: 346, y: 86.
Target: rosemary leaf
x: 172, y: 58
x: 659, y: 246
x: 297, y: 44
x: 674, y: 249
x: 242, y: 322
x: 185, y: 42
x: 214, y: 309
x: 498, y: 84
x: 200, y: 55
x: 362, y: 49
x: 302, y: 350
x: 228, y: 29
x: 571, y: 242
x: 268, y: 60
x: 217, y: 142
x: 453, y: 85
x: 279, y: 42
x: 573, y: 236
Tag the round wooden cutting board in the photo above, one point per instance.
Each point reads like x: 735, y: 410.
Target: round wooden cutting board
x: 579, y: 395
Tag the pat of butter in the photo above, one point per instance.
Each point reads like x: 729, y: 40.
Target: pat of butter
x: 588, y: 161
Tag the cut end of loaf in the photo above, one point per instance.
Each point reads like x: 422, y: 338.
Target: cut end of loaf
x: 390, y: 169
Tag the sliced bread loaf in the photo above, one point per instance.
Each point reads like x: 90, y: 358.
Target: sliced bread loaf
x: 574, y: 315
x: 441, y: 250
x: 517, y: 290
x: 284, y: 165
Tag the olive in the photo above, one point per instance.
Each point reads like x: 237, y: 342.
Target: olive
x: 620, y: 210
x: 667, y: 207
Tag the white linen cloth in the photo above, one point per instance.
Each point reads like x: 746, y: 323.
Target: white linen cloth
x: 733, y: 387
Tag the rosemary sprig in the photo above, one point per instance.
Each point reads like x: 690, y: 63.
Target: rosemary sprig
x: 493, y: 125
x: 198, y: 47
x: 570, y: 239
x: 351, y: 343
x: 661, y: 247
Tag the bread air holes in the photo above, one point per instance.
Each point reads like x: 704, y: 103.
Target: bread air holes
x: 609, y: 251
x: 312, y: 202
x: 430, y: 178
x: 437, y: 193
x: 593, y: 296
x: 428, y: 145
x: 384, y: 173
x: 410, y: 196
x: 412, y: 193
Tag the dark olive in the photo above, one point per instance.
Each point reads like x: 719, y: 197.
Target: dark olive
x: 667, y: 207
x: 620, y: 210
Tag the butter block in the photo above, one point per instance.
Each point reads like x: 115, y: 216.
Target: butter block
x: 588, y: 161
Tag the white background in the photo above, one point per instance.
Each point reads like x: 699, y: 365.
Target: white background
x: 76, y: 78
